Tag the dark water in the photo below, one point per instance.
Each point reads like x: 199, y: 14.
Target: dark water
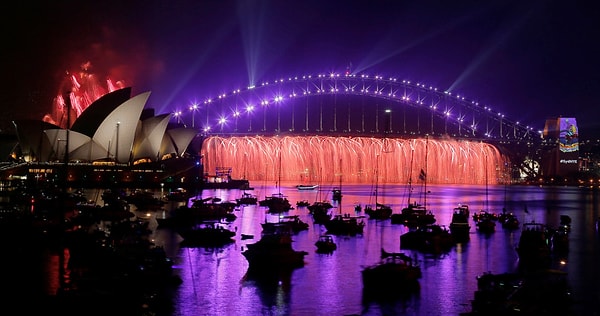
x: 214, y: 280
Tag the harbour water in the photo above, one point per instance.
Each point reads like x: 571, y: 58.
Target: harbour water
x: 214, y: 280
x: 330, y: 284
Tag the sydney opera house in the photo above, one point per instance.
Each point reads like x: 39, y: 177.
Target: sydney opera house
x: 114, y: 140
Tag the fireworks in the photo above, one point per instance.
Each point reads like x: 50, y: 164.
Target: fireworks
x: 323, y: 159
x: 84, y: 89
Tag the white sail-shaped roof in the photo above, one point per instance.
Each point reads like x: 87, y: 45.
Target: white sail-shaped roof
x: 112, y: 128
x: 177, y: 140
x: 117, y: 131
x: 58, y: 141
x: 149, y: 136
x: 90, y: 151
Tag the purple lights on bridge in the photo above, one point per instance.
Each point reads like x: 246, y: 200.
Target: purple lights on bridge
x: 351, y: 104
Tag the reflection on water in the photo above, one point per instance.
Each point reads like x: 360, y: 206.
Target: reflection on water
x: 215, y: 281
x: 330, y: 284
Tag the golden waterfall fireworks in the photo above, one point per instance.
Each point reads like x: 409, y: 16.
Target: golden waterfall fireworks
x: 324, y: 159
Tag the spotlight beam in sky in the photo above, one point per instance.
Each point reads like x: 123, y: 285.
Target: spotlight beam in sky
x: 510, y: 28
x: 375, y: 57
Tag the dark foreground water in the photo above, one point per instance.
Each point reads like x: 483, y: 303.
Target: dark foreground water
x: 214, y: 280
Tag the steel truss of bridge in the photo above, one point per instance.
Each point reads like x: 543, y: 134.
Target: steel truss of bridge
x: 350, y: 104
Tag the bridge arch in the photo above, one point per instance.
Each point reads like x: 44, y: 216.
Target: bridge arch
x: 351, y: 104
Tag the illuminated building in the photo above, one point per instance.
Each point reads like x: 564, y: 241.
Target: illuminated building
x: 113, y: 140
x: 561, y: 157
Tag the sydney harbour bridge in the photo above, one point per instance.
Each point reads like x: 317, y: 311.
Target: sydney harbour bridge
x: 317, y: 127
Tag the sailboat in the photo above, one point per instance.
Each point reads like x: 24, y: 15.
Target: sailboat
x: 395, y: 274
x: 508, y: 219
x: 344, y: 224
x: 319, y: 210
x: 426, y: 236
x: 486, y: 221
x: 415, y: 214
x: 380, y: 211
x: 277, y: 202
x: 336, y: 192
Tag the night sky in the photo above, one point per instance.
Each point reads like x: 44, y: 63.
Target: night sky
x: 532, y: 60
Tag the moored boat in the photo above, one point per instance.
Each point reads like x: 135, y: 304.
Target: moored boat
x: 459, y: 225
x: 247, y: 199
x: 395, y: 273
x: 345, y: 225
x: 485, y: 222
x: 534, y: 247
x: 336, y: 194
x: 320, y: 211
x: 325, y: 244
x: 293, y: 221
x: 379, y: 212
x: 276, y: 203
x: 543, y: 292
x: 206, y: 234
x: 274, y: 250
x: 509, y: 221
x: 302, y: 203
x: 413, y: 215
x: 308, y: 187
x: 432, y: 238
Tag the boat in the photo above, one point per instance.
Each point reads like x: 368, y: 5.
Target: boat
x: 415, y: 214
x: 345, y: 225
x: 509, y: 220
x: 380, y: 211
x: 302, y: 203
x: 459, y: 225
x: 560, y: 242
x: 394, y: 274
x: 206, y: 234
x: 274, y: 250
x: 434, y: 239
x: 307, y: 187
x: 534, y: 247
x: 319, y: 205
x: 543, y: 292
x: 320, y: 211
x: 200, y: 211
x: 336, y: 194
x: 294, y: 221
x: 247, y: 199
x: 560, y: 237
x: 276, y: 203
x: 486, y: 222
x: 178, y: 195
x: 484, y: 214
x: 325, y: 244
